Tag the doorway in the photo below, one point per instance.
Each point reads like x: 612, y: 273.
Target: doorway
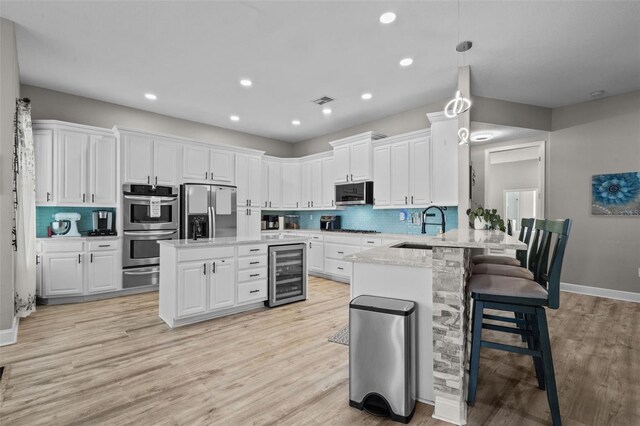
x: 519, y: 203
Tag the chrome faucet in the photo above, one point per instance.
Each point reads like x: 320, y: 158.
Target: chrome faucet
x: 425, y: 215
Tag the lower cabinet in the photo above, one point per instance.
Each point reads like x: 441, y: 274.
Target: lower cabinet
x: 62, y: 274
x: 222, y: 284
x: 103, y: 271
x: 192, y: 288
x: 316, y: 256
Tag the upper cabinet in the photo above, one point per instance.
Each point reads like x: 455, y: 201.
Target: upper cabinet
x: 203, y: 164
x: 311, y: 193
x: 272, y: 184
x: 291, y: 180
x: 249, y: 180
x: 149, y: 160
x: 75, y: 165
x: 328, y: 183
x: 444, y: 159
x: 352, y: 158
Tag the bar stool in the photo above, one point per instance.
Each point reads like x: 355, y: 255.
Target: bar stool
x: 526, y: 226
x: 527, y: 298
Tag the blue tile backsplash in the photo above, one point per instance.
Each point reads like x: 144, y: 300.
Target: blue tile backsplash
x: 44, y: 217
x: 366, y: 218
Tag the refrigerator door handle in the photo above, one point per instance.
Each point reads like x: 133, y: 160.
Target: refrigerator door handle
x: 212, y: 222
x: 210, y: 227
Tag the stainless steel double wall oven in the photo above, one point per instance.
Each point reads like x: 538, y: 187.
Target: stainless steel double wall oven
x: 150, y: 214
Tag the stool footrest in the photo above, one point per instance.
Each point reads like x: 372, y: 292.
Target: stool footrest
x: 507, y: 329
x: 509, y: 348
x: 503, y: 319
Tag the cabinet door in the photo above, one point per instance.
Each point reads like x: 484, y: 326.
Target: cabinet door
x: 43, y: 147
x: 328, y: 183
x: 222, y: 166
x: 444, y: 163
x: 265, y: 184
x: 341, y: 164
x: 222, y: 284
x: 305, y: 184
x: 420, y: 169
x: 242, y: 179
x: 62, y: 274
x: 103, y: 271
x: 192, y: 288
x: 400, y: 174
x: 255, y: 182
x: 138, y: 159
x: 243, y: 222
x: 382, y: 175
x: 360, y: 161
x: 316, y: 256
x: 291, y: 186
x: 39, y: 289
x: 275, y: 185
x: 165, y: 162
x: 72, y: 167
x: 195, y: 163
x: 316, y: 183
x: 253, y: 223
x: 102, y: 170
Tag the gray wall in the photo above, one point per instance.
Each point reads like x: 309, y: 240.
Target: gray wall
x: 50, y: 104
x: 407, y: 121
x: 595, y: 137
x: 9, y: 91
x: 495, y: 111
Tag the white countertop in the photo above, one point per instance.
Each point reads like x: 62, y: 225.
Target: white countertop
x: 234, y: 241
x: 387, y: 255
x: 80, y: 238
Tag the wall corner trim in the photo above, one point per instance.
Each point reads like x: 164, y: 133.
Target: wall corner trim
x: 10, y: 336
x: 601, y: 292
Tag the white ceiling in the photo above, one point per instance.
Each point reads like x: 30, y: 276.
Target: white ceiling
x: 193, y: 54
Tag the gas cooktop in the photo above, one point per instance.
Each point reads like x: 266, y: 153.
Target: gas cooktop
x: 353, y: 231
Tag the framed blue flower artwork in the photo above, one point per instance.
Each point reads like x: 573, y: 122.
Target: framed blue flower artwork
x: 616, y: 194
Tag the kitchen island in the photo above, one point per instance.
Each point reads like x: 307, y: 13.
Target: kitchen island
x: 210, y: 278
x: 432, y: 271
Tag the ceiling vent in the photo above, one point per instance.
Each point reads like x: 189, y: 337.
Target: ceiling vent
x: 323, y: 100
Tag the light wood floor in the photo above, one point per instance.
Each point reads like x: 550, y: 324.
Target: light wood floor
x: 115, y: 362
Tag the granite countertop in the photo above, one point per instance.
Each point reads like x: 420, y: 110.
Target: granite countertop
x: 80, y: 238
x: 388, y: 255
x: 234, y: 241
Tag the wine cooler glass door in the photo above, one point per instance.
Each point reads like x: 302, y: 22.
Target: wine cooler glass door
x: 288, y: 274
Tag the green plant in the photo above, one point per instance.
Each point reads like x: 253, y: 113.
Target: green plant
x: 491, y: 217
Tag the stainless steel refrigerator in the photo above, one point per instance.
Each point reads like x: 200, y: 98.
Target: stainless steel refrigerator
x: 208, y: 211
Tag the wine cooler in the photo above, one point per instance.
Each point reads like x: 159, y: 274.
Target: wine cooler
x: 287, y: 274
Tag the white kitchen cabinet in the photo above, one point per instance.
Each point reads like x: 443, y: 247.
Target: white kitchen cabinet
x: 291, y: 178
x: 311, y: 180
x: 382, y: 175
x: 328, y: 183
x: 400, y: 174
x: 72, y: 167
x: 305, y: 184
x: 39, y: 289
x: 420, y: 171
x: 103, y: 271
x: 316, y: 256
x: 103, y: 170
x: 149, y: 160
x: 353, y: 158
x: 222, y: 283
x: 63, y: 274
x: 248, y: 222
x: 43, y: 150
x: 204, y: 164
x: 273, y: 183
x: 192, y: 288
x: 248, y: 180
x: 444, y: 160
x: 222, y: 166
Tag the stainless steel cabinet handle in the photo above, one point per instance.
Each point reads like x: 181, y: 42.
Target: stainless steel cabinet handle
x: 204, y: 269
x: 347, y: 177
x: 310, y: 244
x: 405, y: 199
x: 370, y: 242
x: 412, y: 199
x: 340, y: 252
x: 214, y: 267
x: 104, y: 245
x: 308, y: 204
x: 79, y: 258
x: 296, y: 204
x: 254, y: 250
x: 341, y: 268
x: 93, y: 198
x: 351, y: 177
x: 48, y: 196
x: 148, y: 179
x: 91, y: 258
x: 266, y: 203
x: 147, y: 233
x: 332, y: 203
x: 84, y: 198
x: 269, y: 203
x: 206, y: 175
x: 156, y: 180
x: 37, y: 259
x: 254, y: 275
x: 253, y: 263
x: 254, y: 291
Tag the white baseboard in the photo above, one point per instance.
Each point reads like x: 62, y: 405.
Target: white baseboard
x: 601, y: 292
x: 450, y: 411
x: 10, y: 336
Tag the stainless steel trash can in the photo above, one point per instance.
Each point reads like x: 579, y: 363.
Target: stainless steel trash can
x: 382, y: 364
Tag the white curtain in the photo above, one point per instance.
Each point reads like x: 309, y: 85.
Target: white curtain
x: 25, y: 212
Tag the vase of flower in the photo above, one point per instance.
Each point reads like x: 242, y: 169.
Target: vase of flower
x: 482, y: 218
x: 478, y: 223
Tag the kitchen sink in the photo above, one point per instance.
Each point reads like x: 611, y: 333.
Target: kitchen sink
x: 415, y: 246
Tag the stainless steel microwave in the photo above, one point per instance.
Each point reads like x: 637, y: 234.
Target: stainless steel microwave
x: 354, y: 193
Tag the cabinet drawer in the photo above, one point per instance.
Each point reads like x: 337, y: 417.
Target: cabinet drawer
x: 343, y: 239
x: 103, y: 245
x: 186, y: 255
x: 249, y: 250
x: 252, y: 292
x: 337, y: 267
x: 371, y: 242
x: 338, y: 251
x: 252, y: 274
x: 252, y: 262
x: 63, y: 246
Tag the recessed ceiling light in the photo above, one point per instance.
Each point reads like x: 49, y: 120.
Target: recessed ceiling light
x: 481, y: 137
x: 388, y: 17
x: 234, y: 118
x: 295, y: 122
x: 246, y: 82
x: 366, y: 96
x: 406, y: 62
x: 597, y: 93
x: 150, y: 96
x: 326, y: 111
